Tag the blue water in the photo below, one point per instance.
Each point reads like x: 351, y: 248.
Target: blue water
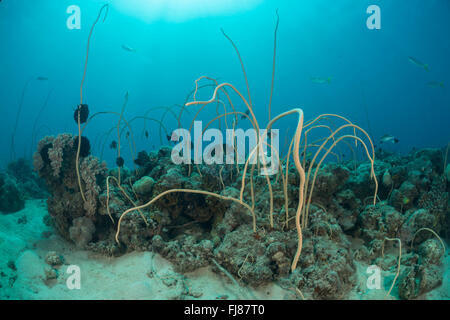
x: 175, y: 45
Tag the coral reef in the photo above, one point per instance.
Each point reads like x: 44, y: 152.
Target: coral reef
x: 54, y: 162
x: 81, y: 231
x: 423, y: 270
x: 195, y: 230
x: 29, y: 183
x: 11, y: 199
x: 17, y: 184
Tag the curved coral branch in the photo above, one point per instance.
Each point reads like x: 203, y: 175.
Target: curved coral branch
x: 185, y: 191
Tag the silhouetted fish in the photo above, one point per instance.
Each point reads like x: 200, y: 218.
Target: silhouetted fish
x: 388, y: 138
x: 436, y: 84
x: 146, y: 134
x: 127, y: 48
x: 113, y: 145
x: 120, y: 162
x: 418, y: 63
x: 320, y: 80
x: 247, y: 113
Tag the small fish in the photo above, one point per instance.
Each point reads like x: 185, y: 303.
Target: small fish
x: 247, y: 113
x: 388, y: 138
x: 168, y: 137
x: 113, y: 145
x: 128, y: 134
x: 146, y: 134
x: 308, y: 154
x: 320, y: 80
x: 41, y: 78
x: 436, y: 84
x: 127, y: 48
x: 418, y: 63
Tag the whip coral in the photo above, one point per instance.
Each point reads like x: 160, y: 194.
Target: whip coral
x: 305, y: 177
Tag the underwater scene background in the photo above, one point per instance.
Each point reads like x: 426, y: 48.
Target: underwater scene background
x: 358, y: 204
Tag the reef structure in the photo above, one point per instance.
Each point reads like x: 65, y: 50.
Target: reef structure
x: 196, y: 230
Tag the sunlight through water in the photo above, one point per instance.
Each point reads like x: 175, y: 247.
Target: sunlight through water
x: 181, y: 10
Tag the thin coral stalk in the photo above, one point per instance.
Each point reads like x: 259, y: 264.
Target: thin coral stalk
x: 127, y: 124
x: 203, y: 105
x: 371, y: 159
x: 306, y: 139
x: 242, y: 66
x: 286, y: 179
x: 301, y: 172
x: 330, y: 116
x: 234, y: 145
x: 221, y: 178
x: 273, y: 63
x: 258, y: 145
x: 399, y: 261
x: 218, y: 117
x: 159, y: 122
x: 166, y: 110
x: 118, y: 132
x: 353, y: 155
x: 77, y: 164
x: 188, y: 98
x: 88, y: 46
x: 124, y: 193
x: 214, y: 98
x: 77, y: 160
x: 429, y: 230
x: 269, y: 185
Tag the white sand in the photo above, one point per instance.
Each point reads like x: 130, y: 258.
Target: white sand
x: 138, y: 275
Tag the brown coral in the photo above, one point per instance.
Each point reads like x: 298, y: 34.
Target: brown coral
x: 56, y: 152
x: 92, y: 170
x: 38, y: 162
